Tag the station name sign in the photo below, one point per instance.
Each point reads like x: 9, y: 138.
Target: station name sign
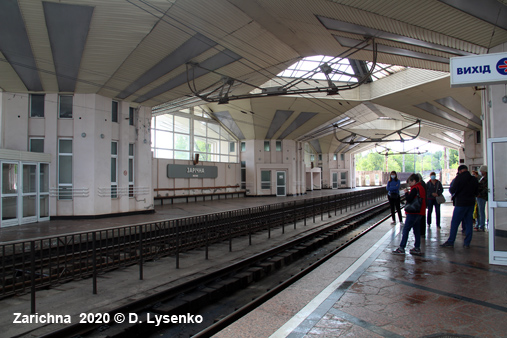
x: 191, y: 171
x: 474, y: 70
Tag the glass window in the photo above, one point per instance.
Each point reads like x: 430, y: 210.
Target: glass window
x: 114, y: 111
x: 243, y: 175
x: 37, y: 105
x: 181, y: 137
x: 131, y: 170
x: 278, y: 145
x: 164, y: 122
x: 44, y: 177
x: 9, y: 178
x: 131, y: 116
x: 114, y: 169
x: 29, y: 178
x: 213, y: 130
x: 266, y: 146
x: 335, y: 157
x: 266, y: 179
x: 64, y: 169
x: 65, y: 109
x: 342, y: 157
x: 114, y: 148
x: 182, y: 155
x: 200, y: 128
x: 181, y: 142
x: 243, y: 146
x: 320, y: 157
x: 182, y: 124
x: 312, y: 157
x: 36, y: 145
x: 163, y: 139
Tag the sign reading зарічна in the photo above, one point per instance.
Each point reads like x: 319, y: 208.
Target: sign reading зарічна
x: 191, y: 171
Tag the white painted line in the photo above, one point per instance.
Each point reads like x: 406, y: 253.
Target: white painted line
x: 299, y: 317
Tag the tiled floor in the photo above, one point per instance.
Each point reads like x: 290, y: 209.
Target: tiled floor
x: 369, y: 292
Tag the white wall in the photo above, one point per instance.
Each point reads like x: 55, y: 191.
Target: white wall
x: 229, y: 175
x: 91, y: 131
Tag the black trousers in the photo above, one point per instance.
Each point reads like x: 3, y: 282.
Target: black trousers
x: 395, y: 202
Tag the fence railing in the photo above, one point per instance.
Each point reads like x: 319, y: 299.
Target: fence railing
x: 42, y: 262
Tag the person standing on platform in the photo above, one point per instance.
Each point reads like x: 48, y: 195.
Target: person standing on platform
x: 393, y: 195
x: 433, y: 189
x: 464, y: 190
x: 413, y: 220
x: 482, y: 198
x: 422, y: 224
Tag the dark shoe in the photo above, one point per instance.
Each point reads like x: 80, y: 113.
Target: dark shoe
x: 438, y: 226
x: 483, y: 229
x: 466, y: 246
x: 416, y: 251
x: 399, y: 251
x: 447, y: 245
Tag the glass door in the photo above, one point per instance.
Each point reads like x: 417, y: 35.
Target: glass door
x: 43, y: 192
x: 343, y: 179
x: 10, y: 189
x: 280, y: 183
x: 335, y: 180
x: 497, y: 200
x: 29, y: 193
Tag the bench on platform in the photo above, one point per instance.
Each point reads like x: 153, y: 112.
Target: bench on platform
x: 216, y: 191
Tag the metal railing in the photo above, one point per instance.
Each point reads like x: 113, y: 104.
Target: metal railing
x: 42, y: 262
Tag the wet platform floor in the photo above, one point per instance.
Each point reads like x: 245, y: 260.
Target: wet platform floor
x: 366, y: 291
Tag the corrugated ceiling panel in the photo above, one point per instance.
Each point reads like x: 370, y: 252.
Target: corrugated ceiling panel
x: 262, y: 48
x: 36, y: 29
x: 216, y: 19
x: 440, y: 17
x: 10, y: 78
x: 111, y: 39
x: 149, y: 52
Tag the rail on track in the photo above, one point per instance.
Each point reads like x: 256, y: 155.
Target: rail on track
x: 40, y: 263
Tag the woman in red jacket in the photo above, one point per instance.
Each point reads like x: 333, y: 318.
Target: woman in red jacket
x: 413, y: 220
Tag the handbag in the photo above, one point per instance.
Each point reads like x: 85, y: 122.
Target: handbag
x: 440, y: 199
x: 415, y: 205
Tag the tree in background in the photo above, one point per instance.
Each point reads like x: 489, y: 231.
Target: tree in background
x: 369, y: 161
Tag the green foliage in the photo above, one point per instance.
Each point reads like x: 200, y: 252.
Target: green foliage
x: 430, y: 161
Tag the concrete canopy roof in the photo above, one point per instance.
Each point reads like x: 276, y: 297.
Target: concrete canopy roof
x: 140, y: 51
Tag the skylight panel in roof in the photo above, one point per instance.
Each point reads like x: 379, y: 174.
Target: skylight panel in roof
x: 309, y: 68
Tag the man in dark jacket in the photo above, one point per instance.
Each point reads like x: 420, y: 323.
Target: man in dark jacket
x: 464, y: 190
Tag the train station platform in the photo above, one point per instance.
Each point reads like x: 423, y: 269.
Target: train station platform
x: 366, y: 291
x: 162, y: 212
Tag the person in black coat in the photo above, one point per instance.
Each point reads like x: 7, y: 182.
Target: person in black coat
x: 464, y: 189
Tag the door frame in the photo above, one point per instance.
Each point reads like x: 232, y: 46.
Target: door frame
x: 495, y: 257
x: 284, y: 183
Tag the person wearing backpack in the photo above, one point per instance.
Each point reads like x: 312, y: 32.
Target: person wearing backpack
x: 413, y: 218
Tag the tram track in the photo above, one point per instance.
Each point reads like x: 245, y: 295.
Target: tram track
x: 191, y: 296
x: 51, y: 261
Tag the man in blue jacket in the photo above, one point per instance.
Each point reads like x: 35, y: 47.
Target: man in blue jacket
x: 464, y: 190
